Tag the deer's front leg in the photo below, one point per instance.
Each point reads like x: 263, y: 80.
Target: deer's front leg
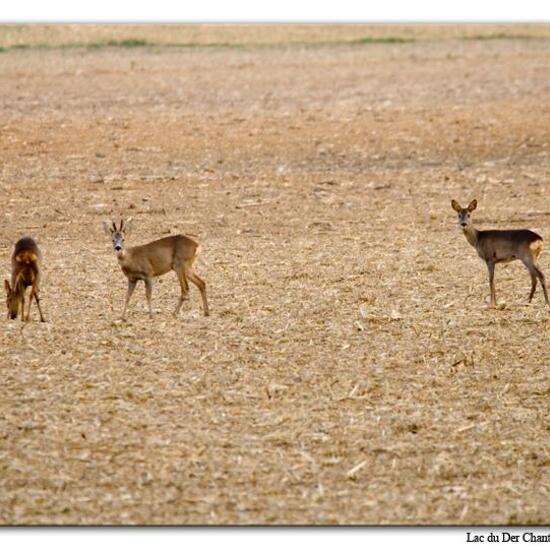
x: 491, y: 268
x: 148, y: 292
x: 131, y: 287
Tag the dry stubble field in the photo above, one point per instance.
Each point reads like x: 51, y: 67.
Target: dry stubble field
x: 351, y: 371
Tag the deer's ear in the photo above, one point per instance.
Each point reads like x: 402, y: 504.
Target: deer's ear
x: 128, y: 225
x: 472, y: 206
x: 107, y: 228
x: 7, y: 286
x: 456, y: 206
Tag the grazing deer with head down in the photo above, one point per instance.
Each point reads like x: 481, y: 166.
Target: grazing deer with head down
x: 502, y: 246
x: 25, y: 272
x: 143, y: 263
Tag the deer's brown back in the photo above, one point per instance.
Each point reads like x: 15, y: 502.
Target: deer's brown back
x: 160, y: 256
x: 505, y: 245
x: 26, y: 244
x: 25, y: 261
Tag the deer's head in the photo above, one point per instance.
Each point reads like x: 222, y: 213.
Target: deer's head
x: 464, y: 213
x: 12, y: 300
x: 118, y: 234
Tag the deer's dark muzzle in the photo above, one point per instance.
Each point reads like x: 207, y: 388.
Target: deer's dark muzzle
x: 118, y: 248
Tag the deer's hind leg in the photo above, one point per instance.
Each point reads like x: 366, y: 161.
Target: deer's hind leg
x: 22, y: 306
x: 31, y: 295
x: 37, y: 300
x: 536, y: 273
x: 533, y: 285
x: 184, y: 285
x: 34, y: 294
x: 148, y: 293
x: 540, y: 276
x: 200, y: 284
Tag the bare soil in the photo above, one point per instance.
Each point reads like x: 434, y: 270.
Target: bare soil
x: 351, y: 371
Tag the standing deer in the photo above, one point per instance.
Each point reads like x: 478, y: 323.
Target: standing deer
x: 144, y: 262
x: 502, y: 246
x: 25, y: 271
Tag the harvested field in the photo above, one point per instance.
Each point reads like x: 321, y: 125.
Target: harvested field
x: 351, y: 371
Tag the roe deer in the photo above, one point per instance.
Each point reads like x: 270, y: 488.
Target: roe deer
x: 25, y: 271
x: 502, y: 246
x: 144, y: 262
